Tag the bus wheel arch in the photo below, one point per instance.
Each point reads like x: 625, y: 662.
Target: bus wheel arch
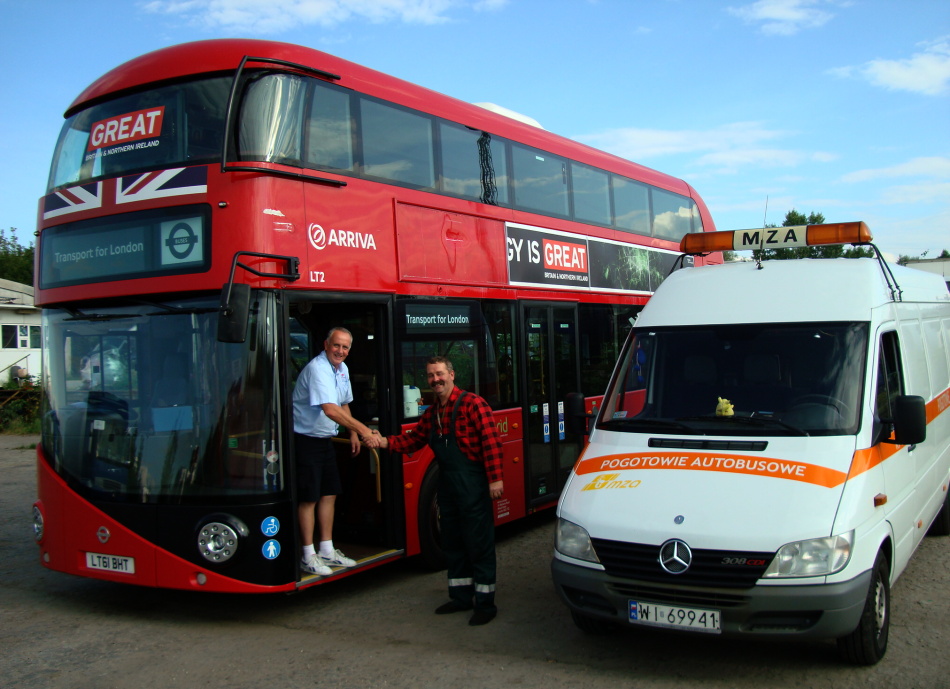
x: 430, y: 535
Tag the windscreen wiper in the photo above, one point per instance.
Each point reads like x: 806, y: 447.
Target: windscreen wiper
x: 167, y: 309
x: 749, y: 420
x: 77, y: 315
x: 652, y: 422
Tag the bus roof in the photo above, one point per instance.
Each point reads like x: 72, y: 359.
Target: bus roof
x: 224, y: 55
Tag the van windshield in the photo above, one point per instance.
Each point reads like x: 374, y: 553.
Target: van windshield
x: 761, y: 379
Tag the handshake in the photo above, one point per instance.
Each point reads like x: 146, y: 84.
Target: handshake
x: 374, y: 440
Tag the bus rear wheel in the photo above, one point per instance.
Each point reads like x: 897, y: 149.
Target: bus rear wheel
x: 867, y: 644
x: 430, y: 535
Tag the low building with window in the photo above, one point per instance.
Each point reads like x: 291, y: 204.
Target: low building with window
x: 20, y: 340
x: 938, y: 266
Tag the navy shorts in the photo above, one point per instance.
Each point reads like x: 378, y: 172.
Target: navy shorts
x: 317, y: 472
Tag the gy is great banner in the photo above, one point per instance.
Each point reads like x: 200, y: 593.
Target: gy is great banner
x: 538, y: 257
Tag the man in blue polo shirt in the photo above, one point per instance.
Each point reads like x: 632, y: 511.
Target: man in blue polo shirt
x: 322, y: 399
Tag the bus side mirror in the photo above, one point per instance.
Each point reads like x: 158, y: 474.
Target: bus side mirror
x: 232, y: 318
x: 910, y: 420
x: 575, y: 415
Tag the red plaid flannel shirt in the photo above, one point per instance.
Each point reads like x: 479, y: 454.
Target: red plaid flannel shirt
x: 474, y: 430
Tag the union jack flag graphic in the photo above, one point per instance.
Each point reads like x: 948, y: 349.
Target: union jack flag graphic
x: 161, y: 184
x: 129, y: 189
x: 72, y: 200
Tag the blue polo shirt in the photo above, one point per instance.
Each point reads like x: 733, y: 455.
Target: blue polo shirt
x: 319, y: 383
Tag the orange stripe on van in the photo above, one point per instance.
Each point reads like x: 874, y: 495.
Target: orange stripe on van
x: 718, y: 462
x: 938, y: 405
x: 863, y: 460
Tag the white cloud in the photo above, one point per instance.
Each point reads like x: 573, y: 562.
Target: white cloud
x: 638, y: 144
x: 274, y: 16
x: 731, y: 160
x: 926, y: 72
x: 916, y: 194
x: 727, y: 148
x: 911, y: 236
x: 934, y: 166
x: 783, y: 17
x: 489, y: 5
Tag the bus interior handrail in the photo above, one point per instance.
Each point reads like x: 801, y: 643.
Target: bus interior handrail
x: 375, y: 456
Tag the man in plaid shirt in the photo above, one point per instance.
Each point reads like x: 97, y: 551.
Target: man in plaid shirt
x: 461, y: 432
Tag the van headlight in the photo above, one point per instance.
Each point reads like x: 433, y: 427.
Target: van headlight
x: 812, y: 558
x: 574, y: 541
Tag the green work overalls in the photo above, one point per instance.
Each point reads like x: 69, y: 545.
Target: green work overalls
x: 466, y: 521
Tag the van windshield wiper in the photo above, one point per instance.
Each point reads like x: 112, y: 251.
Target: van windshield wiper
x: 749, y: 420
x: 615, y: 424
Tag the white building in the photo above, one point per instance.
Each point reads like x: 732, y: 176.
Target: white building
x: 940, y: 266
x: 20, y: 340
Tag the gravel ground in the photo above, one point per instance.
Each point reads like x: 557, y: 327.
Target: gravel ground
x: 377, y: 629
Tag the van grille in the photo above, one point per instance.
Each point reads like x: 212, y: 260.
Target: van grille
x: 714, y: 568
x: 674, y: 595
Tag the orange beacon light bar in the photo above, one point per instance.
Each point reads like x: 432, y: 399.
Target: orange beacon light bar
x: 776, y: 237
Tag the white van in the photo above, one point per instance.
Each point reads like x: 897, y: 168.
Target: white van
x: 773, y: 446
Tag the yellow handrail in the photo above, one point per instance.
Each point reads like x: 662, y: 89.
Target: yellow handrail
x: 375, y: 455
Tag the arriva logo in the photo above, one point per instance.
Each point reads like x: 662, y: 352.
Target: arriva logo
x: 610, y: 481
x: 502, y: 426
x: 320, y: 239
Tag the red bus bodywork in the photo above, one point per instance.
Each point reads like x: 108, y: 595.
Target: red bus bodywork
x: 353, y: 236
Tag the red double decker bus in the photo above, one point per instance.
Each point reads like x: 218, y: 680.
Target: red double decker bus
x: 214, y: 208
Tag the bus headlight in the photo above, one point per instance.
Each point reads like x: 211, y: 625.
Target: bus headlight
x: 218, y: 541
x: 38, y: 523
x: 812, y: 558
x: 574, y: 541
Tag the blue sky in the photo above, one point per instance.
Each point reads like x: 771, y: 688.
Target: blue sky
x: 835, y: 106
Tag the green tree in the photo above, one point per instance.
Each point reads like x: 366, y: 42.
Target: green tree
x: 904, y: 259
x: 794, y: 218
x: 16, y: 260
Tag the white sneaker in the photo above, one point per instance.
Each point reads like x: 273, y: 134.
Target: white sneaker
x: 338, y: 559
x: 315, y: 566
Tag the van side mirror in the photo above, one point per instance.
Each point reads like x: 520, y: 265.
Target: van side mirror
x: 575, y: 414
x: 232, y: 317
x: 910, y: 420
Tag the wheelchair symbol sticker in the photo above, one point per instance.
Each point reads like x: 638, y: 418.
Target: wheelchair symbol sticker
x: 270, y: 526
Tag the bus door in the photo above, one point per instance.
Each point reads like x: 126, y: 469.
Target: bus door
x: 368, y: 524
x: 550, y: 333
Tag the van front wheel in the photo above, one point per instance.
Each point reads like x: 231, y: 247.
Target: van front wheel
x: 867, y: 644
